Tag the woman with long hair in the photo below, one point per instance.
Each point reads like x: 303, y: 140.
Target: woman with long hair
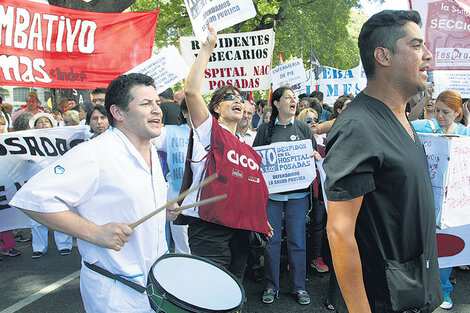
x: 283, y: 127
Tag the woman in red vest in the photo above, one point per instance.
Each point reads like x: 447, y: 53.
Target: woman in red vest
x: 220, y: 231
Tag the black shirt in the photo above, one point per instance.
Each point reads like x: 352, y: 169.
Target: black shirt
x: 370, y: 153
x: 171, y: 111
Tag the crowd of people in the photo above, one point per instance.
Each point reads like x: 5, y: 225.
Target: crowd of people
x: 372, y: 157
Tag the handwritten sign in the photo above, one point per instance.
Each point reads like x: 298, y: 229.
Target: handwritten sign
x: 220, y: 13
x: 449, y: 169
x: 291, y: 73
x: 287, y: 166
x: 166, y: 68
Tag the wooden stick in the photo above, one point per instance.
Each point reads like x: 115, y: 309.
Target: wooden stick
x: 171, y: 202
x: 203, y: 202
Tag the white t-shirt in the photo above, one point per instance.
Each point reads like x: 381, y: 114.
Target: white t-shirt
x: 106, y: 180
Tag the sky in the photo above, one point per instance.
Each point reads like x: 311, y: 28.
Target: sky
x: 371, y: 9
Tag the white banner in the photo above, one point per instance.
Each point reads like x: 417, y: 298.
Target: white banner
x: 220, y: 13
x: 452, y: 80
x: 453, y: 245
x: 166, y: 68
x: 449, y: 169
x: 291, y: 73
x: 287, y: 166
x: 334, y: 82
x: 241, y: 60
x: 23, y: 154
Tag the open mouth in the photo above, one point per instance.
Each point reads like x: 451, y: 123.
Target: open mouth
x: 155, y: 122
x: 237, y: 109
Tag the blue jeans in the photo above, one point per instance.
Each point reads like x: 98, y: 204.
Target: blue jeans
x: 295, y: 211
x: 445, y: 282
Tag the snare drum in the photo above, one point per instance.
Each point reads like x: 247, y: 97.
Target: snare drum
x: 188, y: 283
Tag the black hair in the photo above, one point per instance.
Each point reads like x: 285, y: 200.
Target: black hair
x: 277, y: 94
x: 316, y: 105
x: 118, y: 92
x: 22, y: 121
x: 98, y: 108
x: 383, y: 30
x: 317, y: 95
x: 167, y: 94
x: 261, y: 103
x: 303, y: 95
x: 218, y: 96
x: 183, y: 108
x: 339, y: 105
x: 98, y: 90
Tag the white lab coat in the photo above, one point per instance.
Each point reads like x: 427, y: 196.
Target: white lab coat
x: 106, y: 180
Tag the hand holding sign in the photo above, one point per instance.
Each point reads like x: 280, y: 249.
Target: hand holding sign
x: 220, y: 13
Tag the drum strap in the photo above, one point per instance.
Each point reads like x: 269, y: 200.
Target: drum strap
x: 107, y: 273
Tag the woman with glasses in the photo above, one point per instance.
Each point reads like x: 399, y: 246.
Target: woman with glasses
x: 220, y: 231
x: 294, y: 205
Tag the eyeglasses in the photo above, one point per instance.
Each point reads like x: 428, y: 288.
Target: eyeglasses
x: 231, y: 96
x: 310, y: 120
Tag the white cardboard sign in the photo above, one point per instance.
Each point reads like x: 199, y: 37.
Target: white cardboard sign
x: 291, y: 73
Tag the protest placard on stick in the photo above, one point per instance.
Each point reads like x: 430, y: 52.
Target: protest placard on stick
x: 219, y: 13
x: 166, y: 68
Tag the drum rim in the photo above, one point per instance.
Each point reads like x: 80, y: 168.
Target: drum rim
x: 183, y: 304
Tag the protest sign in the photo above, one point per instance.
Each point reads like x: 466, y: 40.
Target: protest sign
x: 453, y: 246
x: 241, y: 60
x: 220, y: 13
x: 452, y: 80
x: 447, y: 28
x: 287, y: 166
x: 334, y: 82
x: 291, y: 73
x: 449, y: 169
x: 23, y: 154
x: 166, y: 68
x: 54, y: 47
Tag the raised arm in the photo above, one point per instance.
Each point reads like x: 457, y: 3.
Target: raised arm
x: 111, y: 235
x: 416, y: 111
x: 197, y: 108
x: 325, y: 127
x: 342, y: 216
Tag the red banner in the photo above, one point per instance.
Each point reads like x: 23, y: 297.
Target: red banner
x: 446, y: 24
x: 53, y: 47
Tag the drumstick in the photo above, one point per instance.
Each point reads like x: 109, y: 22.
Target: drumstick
x: 171, y: 202
x: 203, y: 202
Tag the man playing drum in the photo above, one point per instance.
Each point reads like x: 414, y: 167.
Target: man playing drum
x: 96, y: 190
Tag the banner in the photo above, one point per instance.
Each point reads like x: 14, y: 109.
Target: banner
x: 292, y: 73
x: 23, y: 154
x: 53, y: 47
x: 452, y: 80
x: 220, y: 13
x: 334, y: 82
x: 242, y: 60
x: 449, y: 169
x: 446, y: 26
x: 287, y: 166
x: 166, y: 68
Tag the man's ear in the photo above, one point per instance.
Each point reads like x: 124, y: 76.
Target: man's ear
x: 382, y: 56
x: 116, y: 112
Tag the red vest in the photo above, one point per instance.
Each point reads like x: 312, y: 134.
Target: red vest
x: 240, y: 177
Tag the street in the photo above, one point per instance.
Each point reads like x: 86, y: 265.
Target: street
x: 51, y: 284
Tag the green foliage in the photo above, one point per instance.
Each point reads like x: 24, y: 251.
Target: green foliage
x: 329, y: 27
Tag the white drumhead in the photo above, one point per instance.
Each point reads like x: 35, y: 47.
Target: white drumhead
x: 198, y: 283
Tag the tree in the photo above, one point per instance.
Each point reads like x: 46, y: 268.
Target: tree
x: 300, y: 24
